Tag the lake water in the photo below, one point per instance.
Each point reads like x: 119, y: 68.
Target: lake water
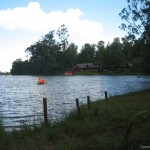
x: 21, y: 95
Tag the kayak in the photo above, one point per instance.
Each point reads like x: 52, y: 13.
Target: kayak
x: 41, y: 83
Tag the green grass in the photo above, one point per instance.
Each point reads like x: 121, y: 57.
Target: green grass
x: 106, y: 126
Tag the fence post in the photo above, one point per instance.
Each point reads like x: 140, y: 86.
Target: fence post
x: 106, y: 96
x: 45, y: 110
x: 77, y: 105
x: 88, y: 102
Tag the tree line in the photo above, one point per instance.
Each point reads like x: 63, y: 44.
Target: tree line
x: 53, y: 53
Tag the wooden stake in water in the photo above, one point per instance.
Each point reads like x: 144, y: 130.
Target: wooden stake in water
x: 45, y: 110
x: 77, y: 105
x: 88, y: 102
x: 106, y: 96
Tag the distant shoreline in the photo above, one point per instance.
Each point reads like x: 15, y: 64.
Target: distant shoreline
x: 87, y: 73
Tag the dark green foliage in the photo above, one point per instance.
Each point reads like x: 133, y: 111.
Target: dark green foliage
x: 63, y: 35
x: 137, y: 17
x: 20, y: 67
x: 49, y: 56
x: 142, y: 122
x: 87, y: 54
x: 4, y: 73
x: 69, y: 56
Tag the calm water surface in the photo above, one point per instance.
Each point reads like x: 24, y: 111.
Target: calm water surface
x: 20, y: 95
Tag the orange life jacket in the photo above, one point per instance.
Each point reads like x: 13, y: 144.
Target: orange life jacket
x: 42, y: 81
x: 39, y: 81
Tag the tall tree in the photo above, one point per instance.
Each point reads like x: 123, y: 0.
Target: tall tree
x: 87, y: 54
x: 44, y: 55
x: 100, y: 53
x: 63, y: 35
x: 115, y: 55
x: 100, y: 44
x: 128, y: 50
x: 69, y: 56
x: 137, y: 17
x: 20, y: 67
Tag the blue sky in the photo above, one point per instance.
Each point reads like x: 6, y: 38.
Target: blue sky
x: 23, y: 22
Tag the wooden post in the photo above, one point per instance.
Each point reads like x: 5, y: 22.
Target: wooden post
x: 77, y: 105
x: 45, y: 110
x: 106, y: 96
x: 88, y: 102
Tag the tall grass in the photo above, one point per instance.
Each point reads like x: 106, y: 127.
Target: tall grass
x: 142, y: 121
x: 121, y: 123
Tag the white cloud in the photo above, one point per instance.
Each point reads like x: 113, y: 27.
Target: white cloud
x: 37, y: 23
x: 22, y: 17
x: 34, y: 18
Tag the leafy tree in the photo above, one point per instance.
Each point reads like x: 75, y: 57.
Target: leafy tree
x: 137, y: 17
x: 100, y: 53
x: 19, y: 67
x: 128, y: 50
x: 146, y: 57
x: 63, y: 35
x: 101, y: 45
x: 45, y: 55
x: 87, y: 54
x: 115, y: 53
x: 102, y: 58
x: 70, y: 56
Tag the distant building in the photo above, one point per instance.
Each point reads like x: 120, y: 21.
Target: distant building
x: 86, y: 66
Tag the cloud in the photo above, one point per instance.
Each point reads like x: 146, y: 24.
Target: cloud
x: 28, y: 24
x: 21, y: 17
x: 34, y: 18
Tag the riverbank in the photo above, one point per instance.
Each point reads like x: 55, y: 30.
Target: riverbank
x: 4, y: 73
x: 108, y: 73
x: 104, y: 126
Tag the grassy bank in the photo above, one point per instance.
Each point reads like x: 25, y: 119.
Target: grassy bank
x: 108, y: 73
x: 108, y: 125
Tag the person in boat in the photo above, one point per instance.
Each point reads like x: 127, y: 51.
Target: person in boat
x: 42, y: 81
x: 39, y: 80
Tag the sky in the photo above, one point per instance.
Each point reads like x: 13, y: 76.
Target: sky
x: 24, y: 22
